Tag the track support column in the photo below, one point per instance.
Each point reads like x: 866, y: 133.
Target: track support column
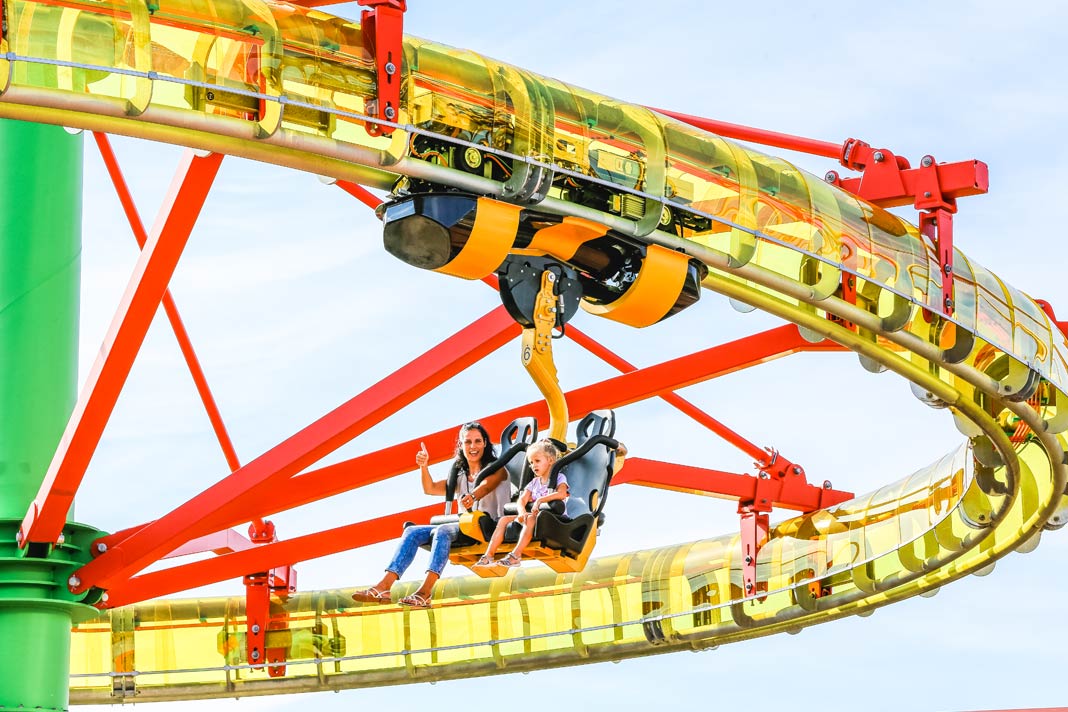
x: 40, y: 247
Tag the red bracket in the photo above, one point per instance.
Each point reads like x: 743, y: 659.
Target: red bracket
x: 783, y: 483
x: 889, y: 181
x: 260, y: 616
x: 754, y: 524
x: 383, y: 32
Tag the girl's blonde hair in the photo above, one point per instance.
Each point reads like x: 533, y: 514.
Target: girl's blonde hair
x: 544, y: 446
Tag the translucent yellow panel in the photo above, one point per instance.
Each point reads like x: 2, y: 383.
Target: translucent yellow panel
x: 884, y: 544
x: 292, y: 86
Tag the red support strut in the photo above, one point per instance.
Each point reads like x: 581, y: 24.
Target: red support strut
x: 260, y: 616
x: 383, y: 32
x: 754, y: 522
x: 888, y: 181
x: 778, y: 483
x: 48, y: 512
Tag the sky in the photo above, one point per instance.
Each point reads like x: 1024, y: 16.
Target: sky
x: 294, y: 307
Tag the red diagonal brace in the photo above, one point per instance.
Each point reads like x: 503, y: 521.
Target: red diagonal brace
x: 611, y: 393
x: 360, y: 193
x: 302, y: 548
x: 175, y: 319
x: 674, y: 399
x: 760, y: 136
x: 792, y: 492
x: 383, y: 32
x: 48, y: 512
x: 302, y: 449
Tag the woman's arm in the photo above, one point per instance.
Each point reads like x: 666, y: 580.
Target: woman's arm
x: 430, y: 486
x: 485, y: 487
x: 489, y: 483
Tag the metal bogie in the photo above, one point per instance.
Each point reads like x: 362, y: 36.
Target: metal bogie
x: 927, y: 397
x: 470, y: 237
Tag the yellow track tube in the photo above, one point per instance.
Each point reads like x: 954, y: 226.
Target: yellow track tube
x: 107, y: 65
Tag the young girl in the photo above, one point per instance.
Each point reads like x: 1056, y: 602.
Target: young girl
x: 541, y: 456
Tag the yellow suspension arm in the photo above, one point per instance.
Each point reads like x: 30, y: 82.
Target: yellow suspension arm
x: 538, y: 356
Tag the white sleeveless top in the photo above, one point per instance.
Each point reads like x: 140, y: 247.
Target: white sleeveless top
x: 493, y: 503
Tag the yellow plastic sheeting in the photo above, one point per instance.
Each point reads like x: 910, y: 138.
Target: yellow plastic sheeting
x: 287, y: 85
x: 686, y: 596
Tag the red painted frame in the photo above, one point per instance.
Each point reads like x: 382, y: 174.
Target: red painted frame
x: 302, y: 449
x: 47, y: 514
x: 252, y: 491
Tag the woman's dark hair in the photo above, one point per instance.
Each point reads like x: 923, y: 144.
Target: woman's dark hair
x: 488, y: 455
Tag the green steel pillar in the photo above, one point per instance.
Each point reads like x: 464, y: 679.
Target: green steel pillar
x: 40, y: 246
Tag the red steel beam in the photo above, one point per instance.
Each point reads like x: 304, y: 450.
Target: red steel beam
x: 48, y: 512
x: 611, y: 358
x: 359, y: 192
x: 760, y: 136
x: 620, y: 364
x: 175, y: 319
x: 611, y: 393
x: 265, y: 557
x: 306, y: 447
x: 638, y: 471
x: 685, y: 478
x: 389, y: 462
x: 729, y: 485
x: 222, y: 542
x: 680, y: 403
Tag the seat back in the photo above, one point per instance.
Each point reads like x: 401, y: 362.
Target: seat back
x: 590, y: 465
x: 598, y: 422
x: 515, y: 438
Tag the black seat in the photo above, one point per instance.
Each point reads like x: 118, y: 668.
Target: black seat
x: 564, y: 540
x: 476, y: 528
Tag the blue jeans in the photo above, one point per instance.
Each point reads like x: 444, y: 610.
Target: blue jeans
x: 440, y: 539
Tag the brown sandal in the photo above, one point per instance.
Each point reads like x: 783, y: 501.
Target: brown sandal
x: 415, y: 601
x: 371, y: 595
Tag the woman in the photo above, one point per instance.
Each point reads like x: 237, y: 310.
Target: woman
x: 473, y: 452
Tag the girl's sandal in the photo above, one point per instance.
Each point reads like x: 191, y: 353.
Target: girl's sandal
x: 486, y: 561
x: 371, y: 595
x: 415, y: 601
x: 510, y: 562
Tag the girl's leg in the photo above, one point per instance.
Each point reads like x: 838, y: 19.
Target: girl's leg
x: 498, y: 535
x: 525, y: 536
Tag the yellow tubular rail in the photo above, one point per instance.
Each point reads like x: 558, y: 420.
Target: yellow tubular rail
x: 286, y: 85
